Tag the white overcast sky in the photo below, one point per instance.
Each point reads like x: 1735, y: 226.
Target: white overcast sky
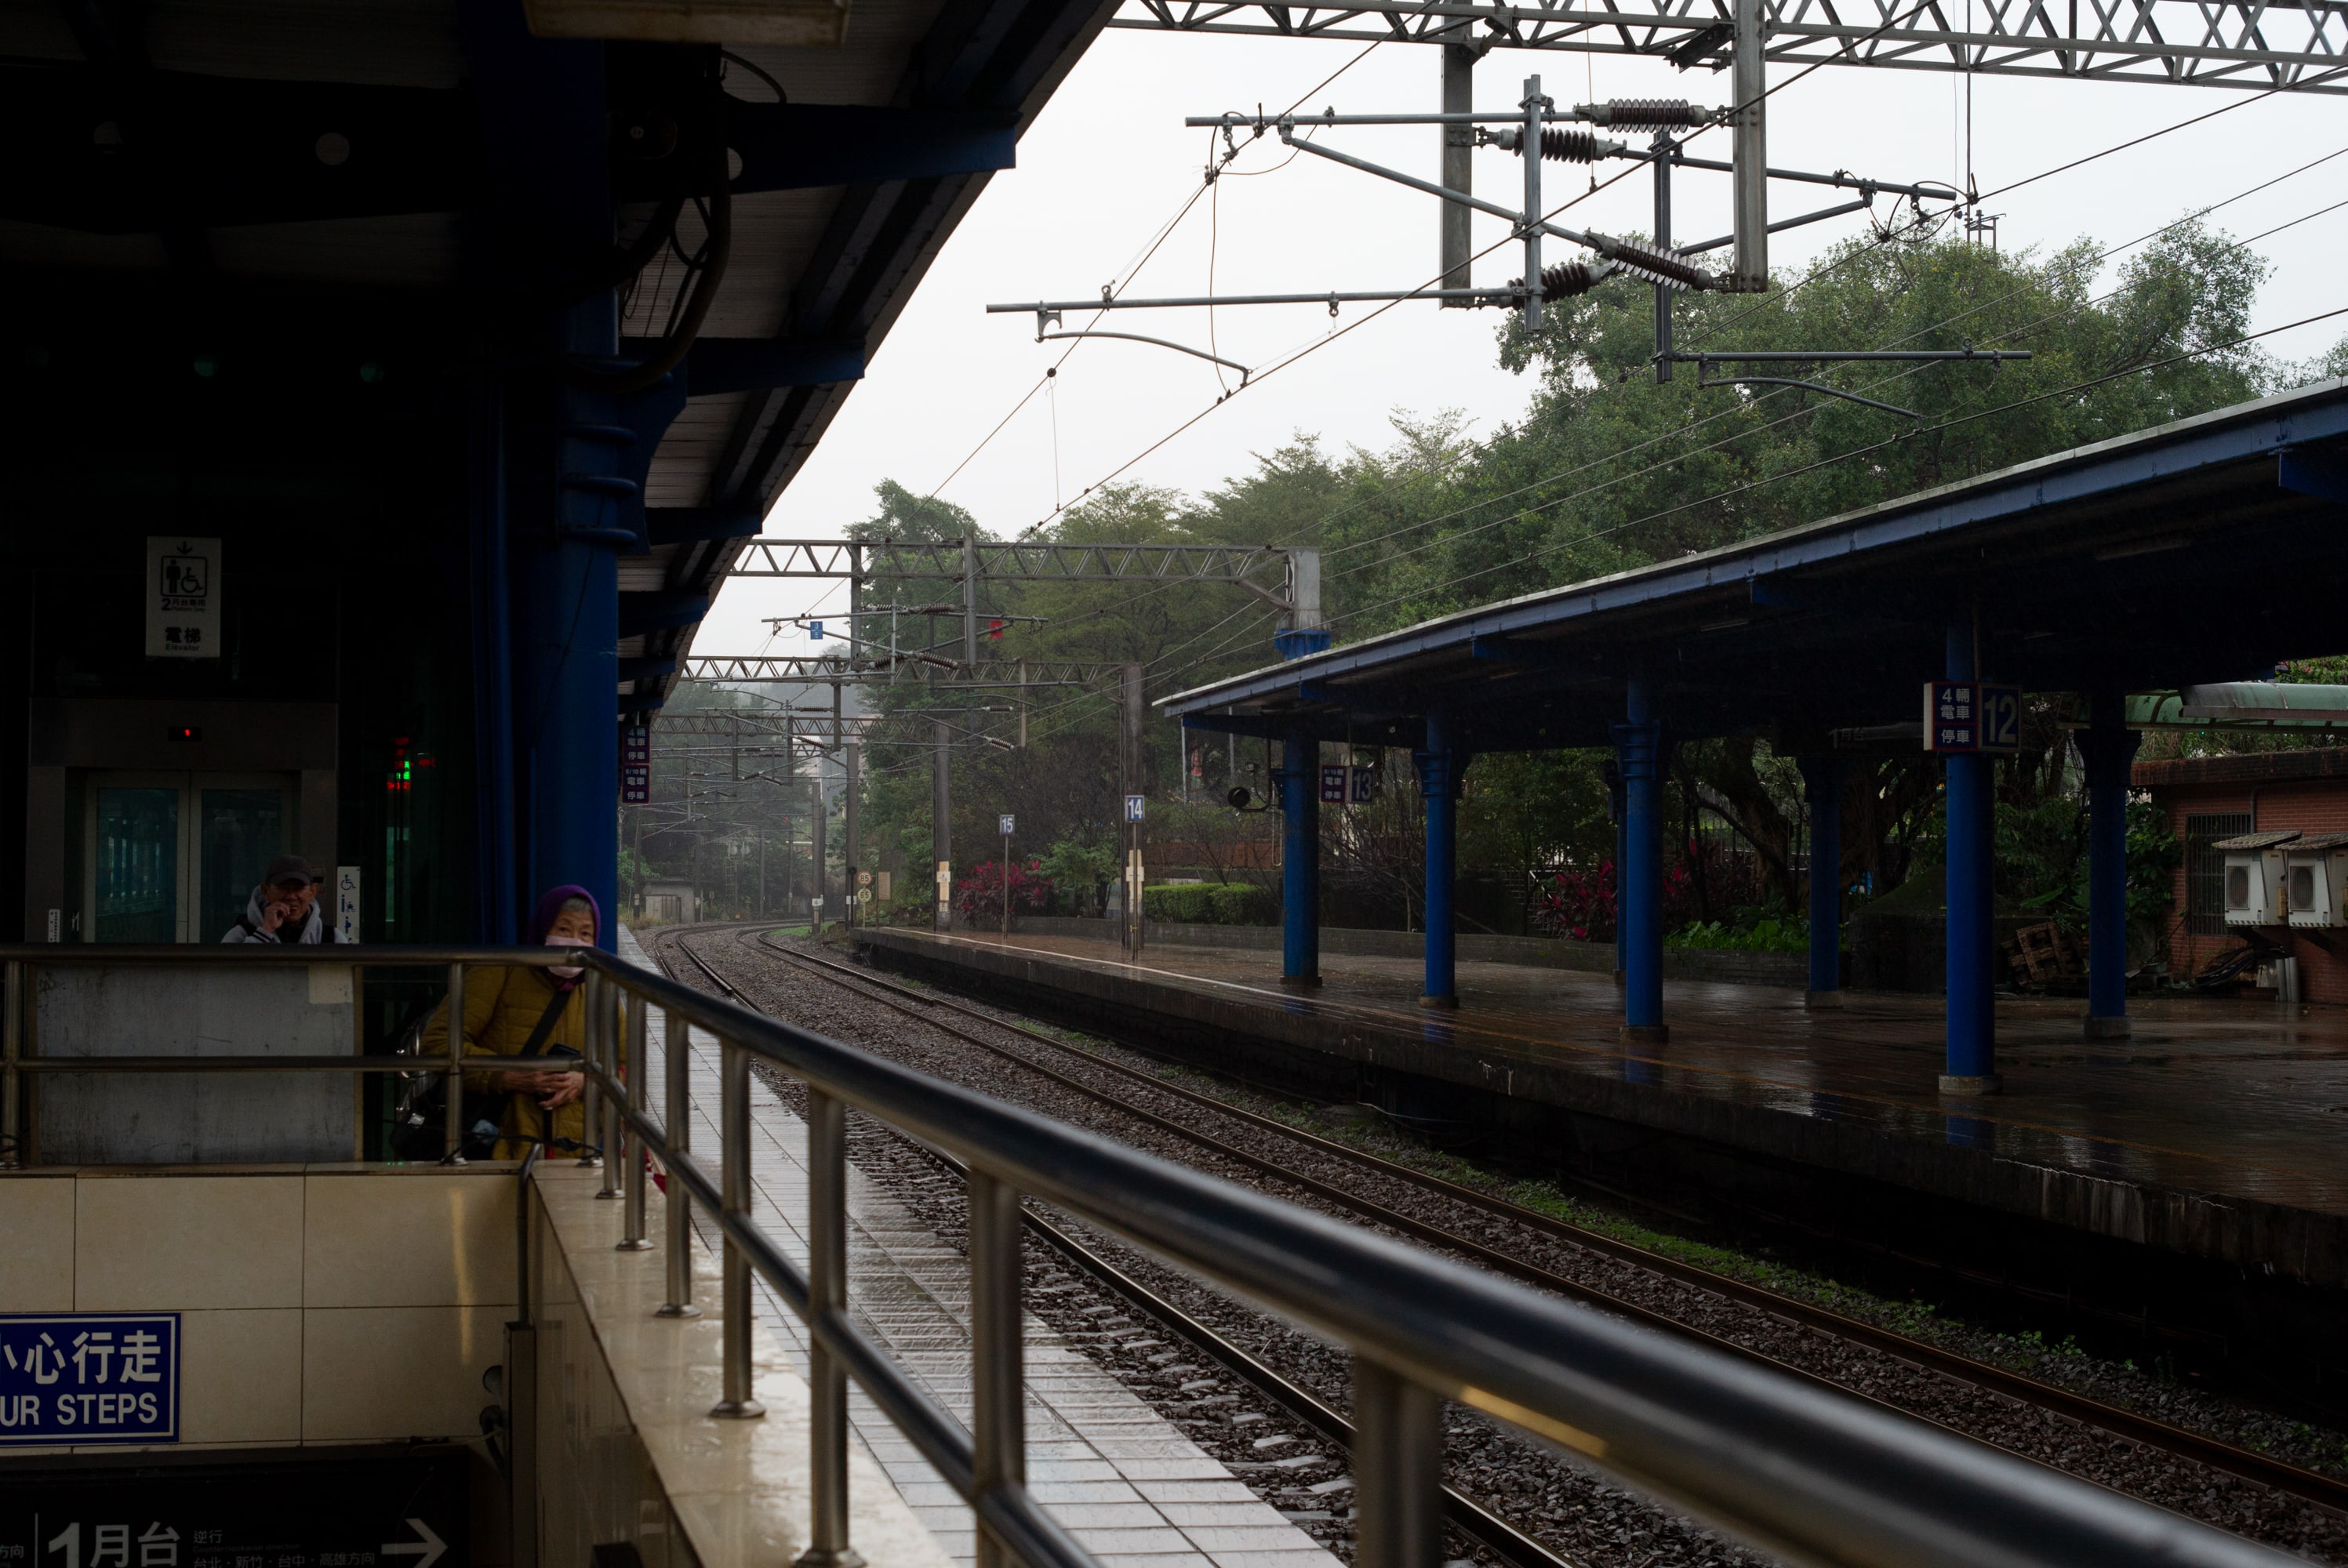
x: 1108, y: 163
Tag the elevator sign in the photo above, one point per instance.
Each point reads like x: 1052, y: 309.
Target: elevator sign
x: 183, y: 595
x: 84, y: 1377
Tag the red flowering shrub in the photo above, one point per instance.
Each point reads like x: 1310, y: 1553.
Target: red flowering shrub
x: 978, y: 898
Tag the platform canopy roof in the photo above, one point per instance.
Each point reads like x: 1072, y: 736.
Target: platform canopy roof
x: 2198, y: 551
x: 258, y: 170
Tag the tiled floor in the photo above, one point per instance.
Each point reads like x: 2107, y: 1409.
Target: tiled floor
x: 2213, y: 1095
x: 1130, y: 1486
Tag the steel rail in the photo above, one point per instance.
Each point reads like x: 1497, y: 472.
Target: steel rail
x: 1504, y: 1539
x: 1809, y: 1473
x: 2327, y: 1492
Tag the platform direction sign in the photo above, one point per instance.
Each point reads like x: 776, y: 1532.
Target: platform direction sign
x: 636, y: 765
x: 363, y: 1507
x: 1332, y: 784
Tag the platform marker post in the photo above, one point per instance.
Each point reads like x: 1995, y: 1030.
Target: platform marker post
x: 1638, y: 897
x: 676, y: 1128
x: 1300, y: 860
x: 2108, y: 747
x: 998, y: 1402
x: 827, y: 1125
x: 1823, y: 779
x: 1439, y: 767
x: 734, y: 1154
x: 633, y: 1238
x: 1972, y: 1065
x: 1397, y: 1470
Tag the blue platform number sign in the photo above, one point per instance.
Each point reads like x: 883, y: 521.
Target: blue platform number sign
x: 1133, y: 805
x: 1332, y: 784
x: 1006, y: 825
x: 2001, y: 718
x: 1952, y: 716
x: 815, y: 632
x: 85, y: 1377
x: 1365, y: 783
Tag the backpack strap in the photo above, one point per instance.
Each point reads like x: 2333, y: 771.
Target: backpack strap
x: 555, y: 1006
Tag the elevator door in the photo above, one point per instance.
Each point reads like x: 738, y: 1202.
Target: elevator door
x: 173, y: 857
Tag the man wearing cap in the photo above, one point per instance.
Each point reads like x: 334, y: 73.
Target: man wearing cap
x: 284, y: 907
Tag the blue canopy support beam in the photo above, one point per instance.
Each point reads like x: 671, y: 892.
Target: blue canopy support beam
x: 1299, y: 859
x: 2108, y: 747
x: 1971, y: 1064
x: 1824, y: 776
x: 1440, y: 765
x: 1638, y: 897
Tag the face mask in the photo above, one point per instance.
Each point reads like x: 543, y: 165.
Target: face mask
x: 567, y: 971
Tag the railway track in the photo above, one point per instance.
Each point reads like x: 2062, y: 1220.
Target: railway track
x: 2145, y: 1432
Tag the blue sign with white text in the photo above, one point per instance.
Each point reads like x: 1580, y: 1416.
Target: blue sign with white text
x: 89, y: 1378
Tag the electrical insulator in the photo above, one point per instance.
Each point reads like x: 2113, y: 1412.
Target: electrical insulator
x: 1644, y: 114
x: 1564, y: 281
x: 1560, y: 146
x: 1658, y: 266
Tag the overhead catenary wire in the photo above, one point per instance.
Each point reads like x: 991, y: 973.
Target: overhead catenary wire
x: 1779, y: 299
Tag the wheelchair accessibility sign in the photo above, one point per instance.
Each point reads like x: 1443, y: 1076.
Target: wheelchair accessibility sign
x: 89, y: 1378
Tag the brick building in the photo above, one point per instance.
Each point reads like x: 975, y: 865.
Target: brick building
x: 2208, y: 799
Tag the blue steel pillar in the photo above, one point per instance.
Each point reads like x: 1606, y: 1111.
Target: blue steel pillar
x: 1614, y: 772
x: 546, y: 134
x: 1638, y: 897
x: 1439, y: 767
x: 1971, y: 836
x: 1300, y: 860
x: 1822, y: 786
x: 2108, y: 746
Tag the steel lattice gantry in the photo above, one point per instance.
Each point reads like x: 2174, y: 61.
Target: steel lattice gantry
x: 2301, y: 47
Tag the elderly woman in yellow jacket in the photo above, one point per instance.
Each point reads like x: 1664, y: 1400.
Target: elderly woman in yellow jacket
x: 503, y: 1009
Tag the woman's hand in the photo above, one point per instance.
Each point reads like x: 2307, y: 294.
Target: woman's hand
x: 560, y: 1089
x: 520, y: 1082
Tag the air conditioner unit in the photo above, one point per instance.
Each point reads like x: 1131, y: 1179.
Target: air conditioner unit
x: 2315, y: 879
x: 2254, y: 877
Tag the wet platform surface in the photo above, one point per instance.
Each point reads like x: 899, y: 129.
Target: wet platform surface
x: 1120, y: 1477
x: 2222, y: 1098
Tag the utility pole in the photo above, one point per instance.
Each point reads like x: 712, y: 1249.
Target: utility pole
x: 1129, y: 770
x: 762, y: 871
x: 942, y: 826
x: 1749, y: 201
x: 849, y: 749
x: 1458, y: 157
x: 817, y: 833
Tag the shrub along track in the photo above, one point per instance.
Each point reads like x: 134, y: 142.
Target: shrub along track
x: 1566, y: 1509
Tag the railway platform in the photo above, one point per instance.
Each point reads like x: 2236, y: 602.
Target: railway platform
x: 2213, y: 1134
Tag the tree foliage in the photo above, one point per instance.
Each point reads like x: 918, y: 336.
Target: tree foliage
x: 1607, y: 470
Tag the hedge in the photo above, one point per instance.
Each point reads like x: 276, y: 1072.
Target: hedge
x: 1212, y: 904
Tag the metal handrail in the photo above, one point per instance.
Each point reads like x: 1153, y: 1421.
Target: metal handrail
x: 1814, y: 1475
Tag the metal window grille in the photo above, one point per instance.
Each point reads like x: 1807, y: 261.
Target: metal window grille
x: 2205, y: 869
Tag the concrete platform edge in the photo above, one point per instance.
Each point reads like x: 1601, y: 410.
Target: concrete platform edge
x: 2290, y: 1243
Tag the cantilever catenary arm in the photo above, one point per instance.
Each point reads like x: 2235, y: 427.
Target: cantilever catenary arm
x: 1160, y: 341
